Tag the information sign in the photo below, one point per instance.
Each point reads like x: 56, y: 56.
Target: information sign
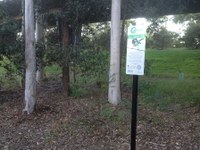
x: 136, y: 44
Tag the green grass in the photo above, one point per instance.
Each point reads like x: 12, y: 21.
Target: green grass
x: 165, y: 93
x: 164, y: 87
x: 171, y: 62
x: 53, y: 70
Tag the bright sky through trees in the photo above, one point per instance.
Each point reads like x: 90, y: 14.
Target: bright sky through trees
x: 170, y: 25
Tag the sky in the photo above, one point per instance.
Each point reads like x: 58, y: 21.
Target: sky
x: 170, y: 25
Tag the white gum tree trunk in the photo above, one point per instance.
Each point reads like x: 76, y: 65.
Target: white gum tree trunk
x: 114, y: 94
x: 39, y: 39
x: 30, y: 58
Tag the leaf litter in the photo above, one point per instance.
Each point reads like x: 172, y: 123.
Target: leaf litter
x: 91, y: 123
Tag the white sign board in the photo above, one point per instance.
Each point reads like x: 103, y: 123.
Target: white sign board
x: 136, y: 45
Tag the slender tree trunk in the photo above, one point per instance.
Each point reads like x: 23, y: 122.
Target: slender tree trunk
x: 23, y: 41
x: 123, y: 27
x: 65, y: 71
x: 30, y: 82
x: 114, y: 94
x: 65, y: 66
x: 23, y: 19
x: 77, y: 38
x: 75, y: 53
x: 39, y: 39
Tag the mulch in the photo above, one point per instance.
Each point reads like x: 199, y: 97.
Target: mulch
x: 91, y: 123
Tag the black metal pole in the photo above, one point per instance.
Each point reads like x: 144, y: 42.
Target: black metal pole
x: 134, y: 112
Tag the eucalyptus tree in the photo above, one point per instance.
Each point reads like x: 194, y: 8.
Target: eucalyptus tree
x: 114, y: 94
x: 30, y: 58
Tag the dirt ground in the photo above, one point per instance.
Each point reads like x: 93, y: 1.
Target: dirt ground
x: 90, y: 123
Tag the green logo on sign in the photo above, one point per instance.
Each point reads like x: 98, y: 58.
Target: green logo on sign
x: 133, y: 30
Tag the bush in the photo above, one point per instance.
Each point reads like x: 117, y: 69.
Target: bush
x: 192, y: 36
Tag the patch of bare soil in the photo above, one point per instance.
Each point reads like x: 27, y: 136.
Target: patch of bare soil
x: 90, y: 123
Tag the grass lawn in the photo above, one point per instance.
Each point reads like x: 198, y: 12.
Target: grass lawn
x: 171, y: 62
x: 174, y: 78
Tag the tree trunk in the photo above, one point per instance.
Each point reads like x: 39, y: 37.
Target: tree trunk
x: 76, y: 41
x: 123, y: 27
x: 30, y: 82
x: 23, y: 39
x: 23, y: 19
x: 65, y: 77
x: 65, y: 66
x: 114, y: 95
x: 40, y: 40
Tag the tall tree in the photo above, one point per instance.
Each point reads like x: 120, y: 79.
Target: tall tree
x: 30, y: 58
x: 23, y: 39
x: 65, y: 49
x: 114, y: 94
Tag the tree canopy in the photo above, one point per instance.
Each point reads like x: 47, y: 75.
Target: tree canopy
x: 100, y: 10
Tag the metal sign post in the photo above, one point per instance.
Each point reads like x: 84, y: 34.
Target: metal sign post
x: 134, y: 112
x: 136, y: 44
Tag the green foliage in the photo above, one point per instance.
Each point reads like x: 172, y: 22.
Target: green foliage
x: 94, y: 63
x: 161, y: 39
x: 77, y: 91
x: 192, y: 36
x: 192, y: 18
x: 52, y: 54
x: 53, y: 71
x: 11, y: 45
x: 97, y: 35
x: 15, y: 54
x: 9, y: 81
x: 40, y: 52
x: 102, y: 40
x: 158, y: 36
x: 77, y: 11
x: 156, y: 24
x: 55, y: 54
